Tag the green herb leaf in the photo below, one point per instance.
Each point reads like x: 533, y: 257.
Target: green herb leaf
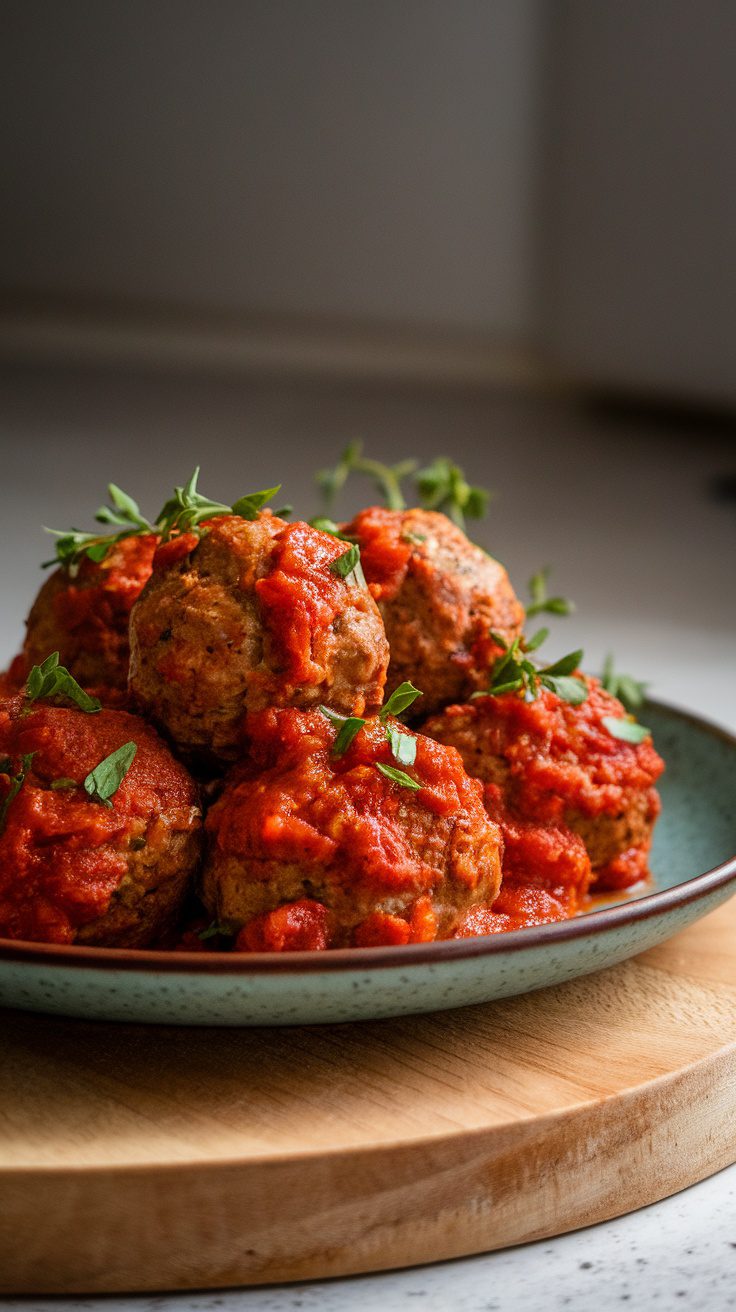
x: 103, y: 782
x: 415, y: 539
x: 541, y: 602
x: 565, y: 665
x: 569, y: 690
x: 628, y: 730
x: 51, y: 679
x: 123, y: 512
x: 442, y: 486
x: 348, y: 566
x: 248, y: 507
x: 531, y: 644
x: 348, y: 727
x: 63, y: 783
x: 403, y: 745
x: 326, y: 525
x: 630, y: 691
x: 388, y: 478
x: 398, y: 777
x: 400, y: 700
x: 16, y: 783
x: 215, y: 930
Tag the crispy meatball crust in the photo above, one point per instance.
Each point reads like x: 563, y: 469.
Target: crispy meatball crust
x: 383, y: 863
x: 557, y: 763
x: 251, y: 615
x: 72, y: 869
x: 440, y: 596
x: 84, y: 614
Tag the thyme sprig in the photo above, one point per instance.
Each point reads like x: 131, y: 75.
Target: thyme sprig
x: 442, y: 485
x: 122, y: 512
x: 514, y: 672
x: 630, y: 691
x: 541, y: 602
x: 387, y: 478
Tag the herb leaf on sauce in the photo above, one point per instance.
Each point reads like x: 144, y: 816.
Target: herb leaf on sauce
x: 50, y: 679
x: 400, y: 700
x: 348, y: 728
x: 348, y: 566
x: 103, y: 782
x: 626, y: 729
x: 398, y: 777
x: 541, y: 602
x: 403, y: 745
x: 512, y: 671
x: 16, y: 783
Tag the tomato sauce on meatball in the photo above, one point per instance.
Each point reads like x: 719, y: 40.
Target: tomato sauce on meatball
x: 84, y: 613
x: 71, y: 868
x: 440, y: 597
x: 252, y: 615
x: 556, y: 763
x: 306, y: 848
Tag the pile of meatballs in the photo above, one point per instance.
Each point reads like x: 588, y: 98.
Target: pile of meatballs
x: 276, y: 800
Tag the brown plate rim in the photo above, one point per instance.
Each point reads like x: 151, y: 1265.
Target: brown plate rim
x: 242, y: 965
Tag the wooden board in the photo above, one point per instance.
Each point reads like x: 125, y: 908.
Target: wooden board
x: 135, y: 1158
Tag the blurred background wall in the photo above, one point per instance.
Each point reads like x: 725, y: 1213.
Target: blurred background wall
x: 492, y: 187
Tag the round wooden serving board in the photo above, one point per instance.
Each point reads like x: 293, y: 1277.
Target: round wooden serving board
x: 137, y: 1158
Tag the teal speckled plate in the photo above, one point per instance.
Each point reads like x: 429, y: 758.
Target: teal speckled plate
x: 694, y: 871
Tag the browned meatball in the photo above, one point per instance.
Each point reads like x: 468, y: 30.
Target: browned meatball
x: 558, y: 763
x: 84, y: 612
x: 89, y: 869
x: 311, y: 849
x: 440, y: 597
x: 253, y: 614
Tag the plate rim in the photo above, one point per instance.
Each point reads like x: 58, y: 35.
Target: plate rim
x: 242, y: 965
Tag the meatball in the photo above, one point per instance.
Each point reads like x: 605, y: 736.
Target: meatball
x: 84, y: 615
x: 557, y: 763
x: 310, y: 849
x: 440, y: 596
x: 253, y: 614
x: 78, y: 869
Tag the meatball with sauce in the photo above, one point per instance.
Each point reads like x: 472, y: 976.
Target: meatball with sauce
x: 255, y: 613
x: 92, y: 869
x: 440, y: 596
x: 83, y: 612
x: 555, y: 763
x: 306, y: 848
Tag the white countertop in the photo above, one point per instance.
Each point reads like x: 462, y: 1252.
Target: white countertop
x: 624, y: 513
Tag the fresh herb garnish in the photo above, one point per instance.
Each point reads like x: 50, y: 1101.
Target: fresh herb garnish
x: 442, y: 486
x: 348, y: 566
x: 51, y: 679
x: 630, y: 691
x: 514, y: 672
x: 16, y: 783
x: 184, y: 512
x: 627, y: 729
x: 103, y: 782
x: 400, y: 700
x: 403, y: 745
x: 326, y: 525
x: 349, y: 727
x: 215, y: 930
x: 388, y: 478
x: 541, y: 602
x: 58, y: 785
x: 416, y: 539
x: 123, y: 512
x: 398, y: 777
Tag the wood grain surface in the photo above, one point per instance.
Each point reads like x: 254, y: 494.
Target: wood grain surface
x: 137, y: 1158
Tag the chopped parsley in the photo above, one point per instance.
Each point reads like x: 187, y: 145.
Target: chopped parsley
x: 348, y: 727
x: 626, y: 728
x: 400, y: 700
x: 103, y: 782
x: 403, y: 745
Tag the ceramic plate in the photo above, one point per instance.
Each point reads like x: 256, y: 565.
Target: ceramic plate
x: 694, y: 870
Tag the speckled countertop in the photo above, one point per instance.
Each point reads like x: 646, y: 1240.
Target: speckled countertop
x: 656, y: 584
